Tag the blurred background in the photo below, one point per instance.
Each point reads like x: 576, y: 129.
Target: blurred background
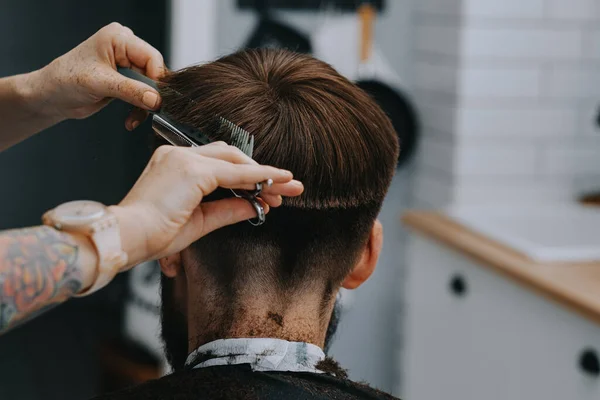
x: 488, y: 285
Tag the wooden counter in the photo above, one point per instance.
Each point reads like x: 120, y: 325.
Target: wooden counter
x: 575, y: 285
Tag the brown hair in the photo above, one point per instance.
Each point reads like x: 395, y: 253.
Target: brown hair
x: 306, y: 118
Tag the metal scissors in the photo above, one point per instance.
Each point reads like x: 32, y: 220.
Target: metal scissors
x: 171, y: 132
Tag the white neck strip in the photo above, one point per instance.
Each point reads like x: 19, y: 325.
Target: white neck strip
x: 263, y: 354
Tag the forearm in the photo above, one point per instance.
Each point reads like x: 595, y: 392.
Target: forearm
x: 41, y: 267
x: 21, y: 108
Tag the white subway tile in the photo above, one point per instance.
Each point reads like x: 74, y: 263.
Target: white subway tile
x: 516, y: 191
x: 436, y: 77
x: 513, y: 123
x: 520, y: 131
x: 437, y: 39
x: 436, y: 154
x: 504, y: 8
x: 585, y: 184
x: 583, y: 82
x: 495, y: 160
x: 572, y: 9
x: 483, y: 8
x: 590, y: 116
x: 491, y: 83
x: 433, y: 188
x: 575, y: 160
x: 522, y: 43
x: 441, y: 118
x: 420, y: 204
x: 452, y: 7
x: 592, y: 45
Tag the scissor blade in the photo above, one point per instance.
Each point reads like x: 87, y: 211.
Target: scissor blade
x: 169, y: 132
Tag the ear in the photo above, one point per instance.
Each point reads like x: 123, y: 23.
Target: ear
x: 171, y: 265
x: 368, y: 259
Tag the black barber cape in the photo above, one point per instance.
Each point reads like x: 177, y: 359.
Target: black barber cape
x: 239, y: 382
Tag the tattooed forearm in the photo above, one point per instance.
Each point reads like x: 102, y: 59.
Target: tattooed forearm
x: 38, y: 269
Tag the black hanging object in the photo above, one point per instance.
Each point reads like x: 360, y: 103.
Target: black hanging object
x: 458, y: 285
x: 589, y: 363
x: 400, y: 111
x: 393, y: 102
x: 270, y: 33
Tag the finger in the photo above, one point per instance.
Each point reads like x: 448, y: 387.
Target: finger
x: 237, y: 176
x: 112, y: 84
x: 135, y: 118
x: 130, y: 50
x: 127, y: 30
x: 289, y: 189
x: 233, y: 155
x: 232, y: 169
x: 138, y: 70
x: 224, y: 152
x: 273, y: 200
x: 217, y: 214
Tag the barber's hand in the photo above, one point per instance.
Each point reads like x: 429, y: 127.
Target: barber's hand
x: 84, y: 80
x: 162, y: 213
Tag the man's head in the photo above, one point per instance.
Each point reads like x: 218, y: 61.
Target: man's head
x: 281, y: 279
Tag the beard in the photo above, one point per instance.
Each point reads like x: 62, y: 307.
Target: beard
x: 333, y: 324
x: 174, y: 327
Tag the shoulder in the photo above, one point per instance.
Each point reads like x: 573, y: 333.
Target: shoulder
x: 206, y: 383
x: 240, y: 383
x: 326, y: 386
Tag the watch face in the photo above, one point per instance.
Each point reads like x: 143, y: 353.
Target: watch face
x: 79, y: 212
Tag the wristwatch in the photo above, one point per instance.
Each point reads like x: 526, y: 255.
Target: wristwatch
x: 101, y: 226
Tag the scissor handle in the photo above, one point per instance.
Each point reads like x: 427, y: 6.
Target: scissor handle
x: 260, y: 212
x: 251, y: 197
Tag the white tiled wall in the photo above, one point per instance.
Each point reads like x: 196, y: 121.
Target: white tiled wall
x: 576, y: 10
x: 508, y: 93
x: 520, y: 42
x: 592, y: 41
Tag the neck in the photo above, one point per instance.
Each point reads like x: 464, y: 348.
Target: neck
x: 257, y: 316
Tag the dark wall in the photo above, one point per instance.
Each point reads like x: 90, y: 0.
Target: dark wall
x: 55, y: 356
x: 94, y: 158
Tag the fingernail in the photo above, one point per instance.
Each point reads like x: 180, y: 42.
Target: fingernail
x: 135, y: 124
x: 150, y: 99
x: 286, y: 172
x: 297, y: 183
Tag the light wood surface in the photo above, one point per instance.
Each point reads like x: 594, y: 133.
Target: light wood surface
x: 575, y: 285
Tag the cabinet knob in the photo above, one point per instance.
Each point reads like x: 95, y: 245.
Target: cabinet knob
x: 589, y: 363
x: 458, y: 285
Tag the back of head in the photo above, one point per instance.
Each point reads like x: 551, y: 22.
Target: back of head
x: 306, y: 118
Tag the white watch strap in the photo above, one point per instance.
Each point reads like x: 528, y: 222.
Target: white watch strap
x: 105, y: 235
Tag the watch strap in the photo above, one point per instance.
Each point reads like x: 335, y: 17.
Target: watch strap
x: 106, y: 237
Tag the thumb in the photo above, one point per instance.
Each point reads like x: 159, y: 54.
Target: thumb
x: 220, y: 213
x: 217, y: 214
x: 130, y: 90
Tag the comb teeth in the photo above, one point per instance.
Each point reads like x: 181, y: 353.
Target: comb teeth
x: 240, y: 138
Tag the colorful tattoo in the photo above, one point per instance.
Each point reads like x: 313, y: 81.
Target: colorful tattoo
x: 37, y: 271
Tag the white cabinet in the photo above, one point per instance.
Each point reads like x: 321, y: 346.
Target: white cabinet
x: 473, y: 334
